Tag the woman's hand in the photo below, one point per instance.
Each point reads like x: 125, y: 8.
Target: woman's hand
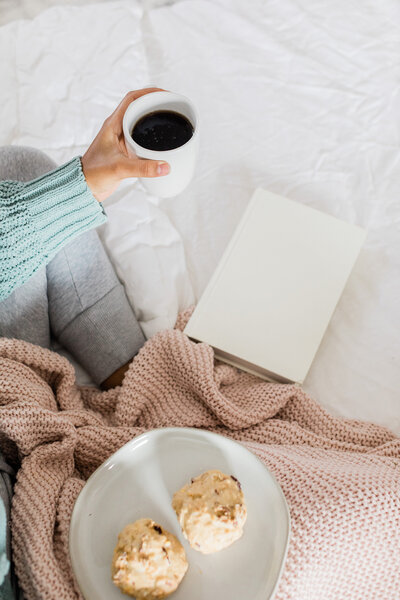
x: 106, y: 161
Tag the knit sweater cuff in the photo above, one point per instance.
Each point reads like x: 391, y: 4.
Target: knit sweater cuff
x: 65, y: 207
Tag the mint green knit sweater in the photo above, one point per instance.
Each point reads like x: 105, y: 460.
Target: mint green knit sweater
x: 39, y: 217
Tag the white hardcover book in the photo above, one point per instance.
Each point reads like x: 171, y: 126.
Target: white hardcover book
x: 269, y: 302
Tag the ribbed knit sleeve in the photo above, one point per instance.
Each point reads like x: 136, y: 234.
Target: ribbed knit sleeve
x: 39, y: 217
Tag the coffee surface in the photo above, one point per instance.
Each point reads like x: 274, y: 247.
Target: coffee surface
x: 162, y: 130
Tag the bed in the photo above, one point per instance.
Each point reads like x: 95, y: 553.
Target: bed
x: 296, y: 96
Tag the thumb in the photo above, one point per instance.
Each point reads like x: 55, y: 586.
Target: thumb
x: 143, y: 167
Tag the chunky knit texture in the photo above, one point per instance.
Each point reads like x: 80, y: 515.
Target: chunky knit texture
x: 341, y: 478
x: 38, y: 217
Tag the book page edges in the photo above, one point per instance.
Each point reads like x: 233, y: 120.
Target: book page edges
x: 244, y: 365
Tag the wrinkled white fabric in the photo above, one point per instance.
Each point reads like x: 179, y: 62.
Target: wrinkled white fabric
x: 299, y: 97
x: 148, y: 255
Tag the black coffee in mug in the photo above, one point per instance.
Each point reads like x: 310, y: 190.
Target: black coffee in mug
x: 162, y: 130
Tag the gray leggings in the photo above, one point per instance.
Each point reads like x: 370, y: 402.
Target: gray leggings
x: 76, y: 299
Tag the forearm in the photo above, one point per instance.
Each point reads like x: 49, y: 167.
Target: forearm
x: 39, y: 217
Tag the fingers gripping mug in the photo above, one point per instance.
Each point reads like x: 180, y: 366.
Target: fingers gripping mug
x: 164, y: 127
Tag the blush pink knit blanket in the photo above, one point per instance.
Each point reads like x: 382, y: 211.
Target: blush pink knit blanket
x: 341, y: 478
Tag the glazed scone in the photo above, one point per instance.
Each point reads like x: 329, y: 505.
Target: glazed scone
x: 211, y: 511
x: 149, y: 562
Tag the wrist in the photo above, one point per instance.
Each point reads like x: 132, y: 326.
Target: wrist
x: 87, y: 175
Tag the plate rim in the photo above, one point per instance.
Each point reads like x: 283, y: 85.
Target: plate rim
x: 195, y: 431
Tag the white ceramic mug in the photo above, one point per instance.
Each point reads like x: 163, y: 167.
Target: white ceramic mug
x: 182, y: 160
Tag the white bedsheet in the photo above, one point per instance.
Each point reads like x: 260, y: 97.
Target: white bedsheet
x: 298, y: 96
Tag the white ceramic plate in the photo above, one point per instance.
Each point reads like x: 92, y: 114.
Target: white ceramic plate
x: 139, y: 481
